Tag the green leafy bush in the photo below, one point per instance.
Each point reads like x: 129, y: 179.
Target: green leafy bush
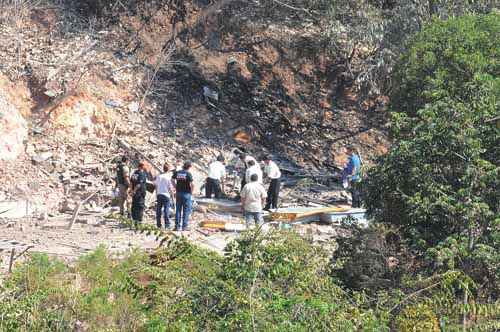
x: 443, y: 171
x: 440, y: 184
x: 370, y: 259
x: 265, y: 282
x: 418, y: 317
x: 450, y: 59
x: 34, y: 298
x: 274, y: 282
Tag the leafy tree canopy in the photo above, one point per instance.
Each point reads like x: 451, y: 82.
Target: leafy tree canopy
x: 440, y: 181
x: 455, y: 59
x: 444, y: 164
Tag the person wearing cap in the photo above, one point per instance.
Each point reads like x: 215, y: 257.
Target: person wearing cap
x: 216, y: 174
x: 352, y: 175
x: 273, y: 172
x: 253, y: 196
x: 242, y: 166
x: 253, y: 168
x: 138, y: 192
x: 184, y: 186
x: 164, y: 196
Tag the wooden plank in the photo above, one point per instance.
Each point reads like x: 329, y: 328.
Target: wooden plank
x: 9, y: 244
x: 295, y: 214
x: 15, y: 209
x: 79, y: 207
x: 216, y: 225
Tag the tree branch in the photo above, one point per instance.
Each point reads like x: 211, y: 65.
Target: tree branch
x: 413, y: 295
x: 292, y: 7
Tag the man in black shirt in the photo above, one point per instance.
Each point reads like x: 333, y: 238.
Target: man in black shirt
x: 138, y: 181
x: 184, y: 188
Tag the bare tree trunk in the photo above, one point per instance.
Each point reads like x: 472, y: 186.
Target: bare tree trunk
x: 466, y: 294
x: 432, y: 7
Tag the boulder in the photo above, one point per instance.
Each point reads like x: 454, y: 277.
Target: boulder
x: 41, y: 157
x: 82, y: 117
x: 13, y: 130
x: 15, y: 209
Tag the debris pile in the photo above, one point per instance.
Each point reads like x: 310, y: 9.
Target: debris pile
x: 93, y: 95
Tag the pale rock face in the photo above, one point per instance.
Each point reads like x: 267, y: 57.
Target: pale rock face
x: 81, y: 117
x: 13, y: 130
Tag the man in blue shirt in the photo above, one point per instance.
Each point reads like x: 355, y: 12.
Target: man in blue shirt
x: 352, y: 173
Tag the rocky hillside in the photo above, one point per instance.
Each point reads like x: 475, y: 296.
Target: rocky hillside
x: 174, y: 79
x: 274, y: 81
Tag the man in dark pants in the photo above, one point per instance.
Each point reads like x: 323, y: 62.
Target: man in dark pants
x: 216, y: 174
x: 352, y: 175
x: 138, y: 182
x: 184, y: 189
x: 273, y: 172
x: 123, y: 184
x: 242, y: 166
x: 164, y: 196
x: 252, y: 198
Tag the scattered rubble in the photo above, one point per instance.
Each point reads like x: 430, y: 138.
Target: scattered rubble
x: 85, y: 105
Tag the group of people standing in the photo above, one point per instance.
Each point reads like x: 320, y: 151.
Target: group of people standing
x: 253, y: 195
x: 178, y: 186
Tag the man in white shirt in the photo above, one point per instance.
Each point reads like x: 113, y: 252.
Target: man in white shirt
x: 273, y: 172
x: 216, y: 174
x: 253, y: 196
x: 242, y: 165
x: 253, y: 168
x: 164, y: 196
x: 245, y: 159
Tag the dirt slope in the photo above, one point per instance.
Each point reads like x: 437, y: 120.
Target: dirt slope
x: 139, y: 73
x: 275, y: 80
x: 176, y: 83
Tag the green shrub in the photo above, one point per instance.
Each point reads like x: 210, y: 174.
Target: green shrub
x: 417, y: 317
x: 266, y: 282
x: 35, y: 297
x: 442, y: 171
x: 440, y: 182
x: 370, y: 259
x: 277, y: 282
x: 449, y: 59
